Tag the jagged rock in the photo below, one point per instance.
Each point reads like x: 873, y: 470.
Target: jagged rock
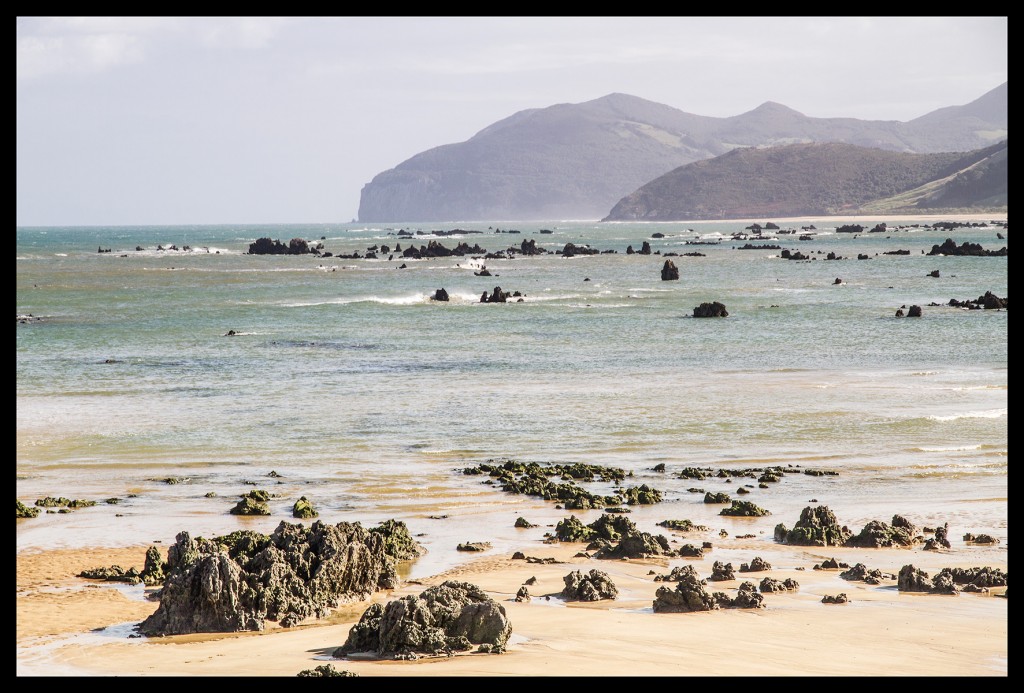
x: 840, y: 598
x: 324, y: 671
x: 912, y: 579
x: 772, y: 585
x: 303, y: 509
x: 237, y: 582
x: 949, y: 247
x: 817, y: 526
x: 523, y: 523
x: 744, y: 509
x: 717, y: 498
x: 594, y: 586
x: 690, y: 551
x: 914, y: 312
x: 252, y: 503
x: 722, y: 571
x: 755, y: 566
x: 440, y: 295
x: 747, y: 597
x: 877, y: 534
x: 861, y: 572
x: 669, y: 271
x: 474, y: 546
x: 688, y: 594
x: 710, y: 310
x: 450, y: 617
x: 27, y: 511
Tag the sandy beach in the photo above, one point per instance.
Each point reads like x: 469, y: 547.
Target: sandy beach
x: 879, y: 632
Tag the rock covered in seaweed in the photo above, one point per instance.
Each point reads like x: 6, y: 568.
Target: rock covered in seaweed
x: 239, y: 581
x: 877, y: 534
x: 594, y: 586
x: 817, y: 526
x: 443, y: 619
x: 689, y: 594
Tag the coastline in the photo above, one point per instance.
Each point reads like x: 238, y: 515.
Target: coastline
x: 68, y: 626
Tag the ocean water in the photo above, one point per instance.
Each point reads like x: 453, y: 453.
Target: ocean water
x: 347, y: 384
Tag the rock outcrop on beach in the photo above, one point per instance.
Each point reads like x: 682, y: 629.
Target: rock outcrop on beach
x: 239, y: 581
x: 590, y: 587
x: 877, y: 534
x: 817, y: 526
x: 451, y: 617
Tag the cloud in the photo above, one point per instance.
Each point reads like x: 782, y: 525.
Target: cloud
x: 39, y: 56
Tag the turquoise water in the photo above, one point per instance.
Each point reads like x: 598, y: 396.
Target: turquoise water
x: 366, y: 396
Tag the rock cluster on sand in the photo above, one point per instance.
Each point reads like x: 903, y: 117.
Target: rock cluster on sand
x: 447, y: 618
x: 594, y: 586
x: 240, y: 581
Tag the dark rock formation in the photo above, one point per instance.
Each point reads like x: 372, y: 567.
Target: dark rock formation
x: 722, y: 571
x: 444, y: 619
x: 755, y: 566
x: 877, y: 534
x: 440, y: 295
x: 303, y: 509
x: 840, y: 598
x: 266, y: 246
x: 744, y: 509
x: 772, y: 585
x: 26, y: 511
x: 911, y: 579
x: 717, y: 497
x: 710, y: 310
x: 914, y: 312
x: 669, y: 271
x: 861, y: 572
x: 594, y: 586
x: 239, y: 581
x: 252, y: 503
x: 817, y: 526
x: 688, y: 595
x: 949, y: 247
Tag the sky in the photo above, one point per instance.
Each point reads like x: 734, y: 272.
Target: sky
x: 138, y: 121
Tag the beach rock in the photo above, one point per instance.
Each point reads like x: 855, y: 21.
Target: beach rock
x: 239, y: 581
x: 722, y: 571
x: 755, y: 566
x: 688, y: 594
x: 710, y: 310
x: 769, y: 584
x: 440, y: 295
x: 747, y: 597
x: 861, y: 572
x: 717, y: 498
x: 914, y: 312
x: 635, y: 544
x: 474, y: 546
x: 303, y: 509
x: 669, y: 271
x: 744, y: 509
x: 27, y: 511
x: 450, y: 617
x: 911, y: 579
x: 949, y: 247
x: 817, y: 526
x: 325, y: 671
x: 523, y: 523
x: 594, y: 586
x: 876, y: 534
x: 977, y: 577
x: 690, y: 551
x: 252, y: 503
x: 840, y: 598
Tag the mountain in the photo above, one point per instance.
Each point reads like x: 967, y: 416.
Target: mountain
x: 821, y: 179
x: 575, y: 161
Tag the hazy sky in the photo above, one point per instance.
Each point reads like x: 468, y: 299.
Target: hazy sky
x: 138, y: 121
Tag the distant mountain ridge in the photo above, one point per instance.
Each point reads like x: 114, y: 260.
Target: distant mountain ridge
x: 576, y: 161
x: 821, y: 179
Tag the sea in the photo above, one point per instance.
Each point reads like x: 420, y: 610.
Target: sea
x: 163, y: 372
